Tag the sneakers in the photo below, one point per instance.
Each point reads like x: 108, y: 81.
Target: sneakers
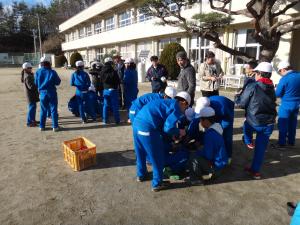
x: 42, y: 129
x: 250, y: 146
x: 140, y: 179
x: 193, y: 182
x: 278, y: 146
x: 207, y: 176
x: 254, y: 175
x: 55, y: 129
x: 161, y: 186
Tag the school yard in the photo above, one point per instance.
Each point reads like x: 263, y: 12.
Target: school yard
x: 38, y: 187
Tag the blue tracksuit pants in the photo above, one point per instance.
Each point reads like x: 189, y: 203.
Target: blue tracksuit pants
x: 228, y: 136
x: 48, y: 100
x: 149, y: 143
x: 111, y: 100
x: 263, y: 134
x: 31, y: 113
x: 296, y: 217
x: 82, y: 101
x: 287, y: 123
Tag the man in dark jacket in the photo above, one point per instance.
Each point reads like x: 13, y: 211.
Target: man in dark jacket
x: 259, y: 101
x: 187, y: 75
x: 31, y: 93
x: 120, y: 67
x: 111, y: 81
x: 157, y: 74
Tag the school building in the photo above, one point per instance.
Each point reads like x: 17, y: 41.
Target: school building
x: 118, y: 25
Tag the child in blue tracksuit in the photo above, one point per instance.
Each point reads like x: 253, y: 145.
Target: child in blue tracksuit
x: 46, y: 81
x: 259, y: 102
x: 82, y: 82
x: 140, y: 102
x: 224, y: 109
x: 130, y: 82
x: 208, y: 162
x: 156, y: 118
x: 288, y: 90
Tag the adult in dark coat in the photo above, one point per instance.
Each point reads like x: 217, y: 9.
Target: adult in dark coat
x: 31, y: 92
x: 157, y: 74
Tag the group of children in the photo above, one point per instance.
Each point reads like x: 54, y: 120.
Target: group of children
x: 175, y: 138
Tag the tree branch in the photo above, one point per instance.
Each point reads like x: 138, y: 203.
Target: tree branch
x: 289, y: 29
x: 286, y: 8
x: 283, y: 22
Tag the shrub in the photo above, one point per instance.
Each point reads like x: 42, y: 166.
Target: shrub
x: 74, y: 58
x: 60, y: 60
x: 168, y: 59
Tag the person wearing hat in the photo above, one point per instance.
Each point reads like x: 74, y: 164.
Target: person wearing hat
x: 31, y: 93
x: 120, y: 68
x: 130, y: 83
x: 95, y: 74
x: 46, y: 80
x: 140, y: 102
x: 81, y: 80
x: 259, y: 102
x: 224, y: 109
x: 187, y: 75
x: 159, y: 117
x: 206, y: 163
x: 157, y: 74
x: 210, y: 75
x: 288, y: 90
x: 111, y: 82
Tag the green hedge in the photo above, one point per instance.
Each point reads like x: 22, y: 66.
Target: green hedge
x: 168, y: 58
x: 74, y: 58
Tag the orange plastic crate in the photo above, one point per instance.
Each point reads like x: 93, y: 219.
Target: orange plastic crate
x: 80, y: 153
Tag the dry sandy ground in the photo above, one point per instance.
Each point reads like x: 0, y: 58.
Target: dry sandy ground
x: 38, y: 187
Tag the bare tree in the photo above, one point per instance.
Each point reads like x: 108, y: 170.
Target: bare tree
x: 268, y: 29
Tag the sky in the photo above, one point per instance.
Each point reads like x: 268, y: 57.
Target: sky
x: 30, y: 2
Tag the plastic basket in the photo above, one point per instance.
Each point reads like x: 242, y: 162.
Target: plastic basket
x: 79, y: 153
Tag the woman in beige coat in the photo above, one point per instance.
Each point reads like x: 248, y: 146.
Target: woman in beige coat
x: 210, y: 75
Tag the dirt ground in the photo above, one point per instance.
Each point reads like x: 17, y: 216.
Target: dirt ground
x: 38, y: 187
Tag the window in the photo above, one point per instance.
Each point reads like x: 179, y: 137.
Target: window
x: 125, y: 19
x: 164, y: 42
x: 82, y: 33
x: 246, y: 43
x: 110, y: 23
x: 173, y: 7
x: 142, y: 17
x: 98, y: 27
x: 127, y: 51
x: 89, y: 31
x: 144, y: 46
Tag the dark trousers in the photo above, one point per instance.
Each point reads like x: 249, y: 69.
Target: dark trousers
x: 199, y: 166
x: 210, y: 93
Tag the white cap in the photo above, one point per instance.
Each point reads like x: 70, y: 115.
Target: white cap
x: 163, y: 79
x: 170, y: 92
x: 26, y: 65
x: 186, y: 96
x: 108, y: 59
x: 203, y: 102
x: 79, y: 63
x: 207, y: 112
x: 45, y: 59
x: 92, y: 88
x: 283, y: 65
x: 264, y: 67
x: 189, y: 114
x: 129, y: 60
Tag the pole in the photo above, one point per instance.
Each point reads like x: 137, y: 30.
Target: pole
x: 40, y: 38
x: 200, y: 11
x: 34, y: 41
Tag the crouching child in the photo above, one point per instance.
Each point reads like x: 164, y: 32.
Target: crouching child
x: 208, y: 162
